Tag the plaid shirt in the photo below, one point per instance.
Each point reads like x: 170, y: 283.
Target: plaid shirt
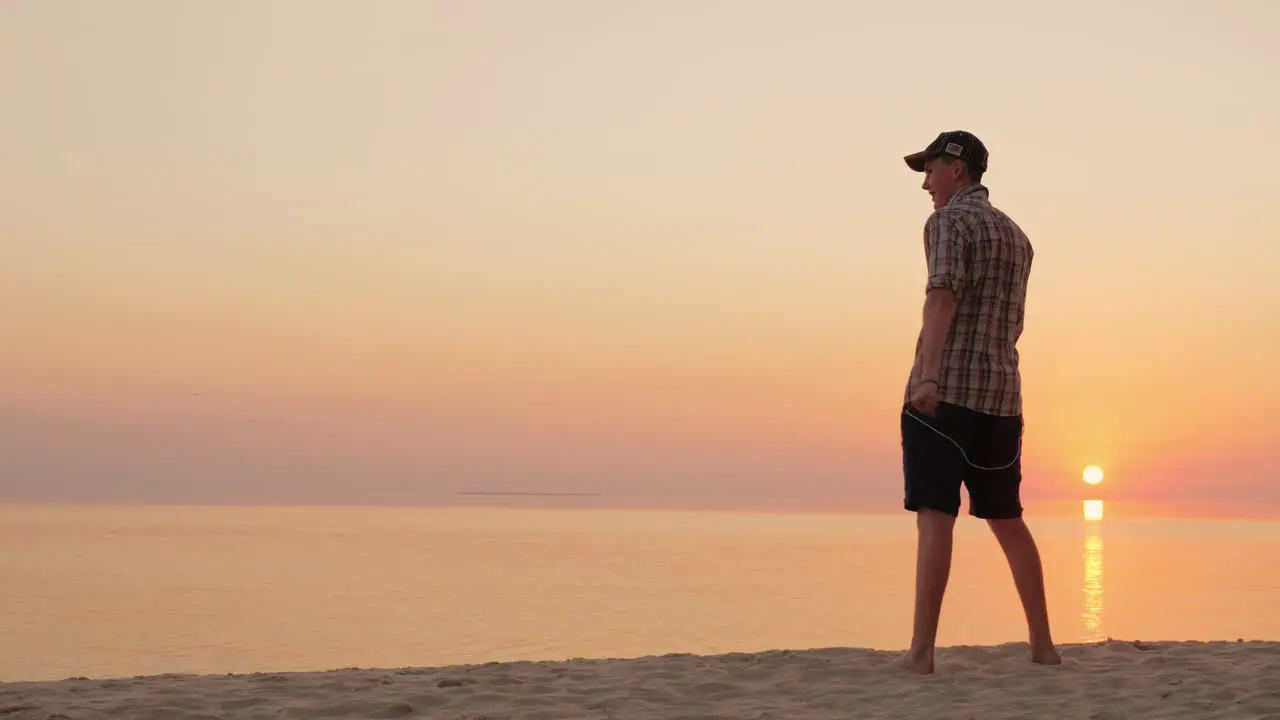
x: 985, y: 259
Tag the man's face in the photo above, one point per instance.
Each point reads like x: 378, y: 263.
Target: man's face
x: 942, y: 180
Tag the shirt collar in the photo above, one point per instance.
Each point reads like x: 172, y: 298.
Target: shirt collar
x: 972, y: 191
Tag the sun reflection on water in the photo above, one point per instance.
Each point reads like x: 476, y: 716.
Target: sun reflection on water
x: 1091, y: 614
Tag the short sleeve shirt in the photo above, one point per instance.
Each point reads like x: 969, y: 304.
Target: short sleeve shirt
x: 981, y: 255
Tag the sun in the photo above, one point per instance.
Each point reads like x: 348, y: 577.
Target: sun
x: 1093, y: 474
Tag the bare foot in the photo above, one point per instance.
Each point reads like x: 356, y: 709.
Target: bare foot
x: 920, y: 663
x: 1046, y: 656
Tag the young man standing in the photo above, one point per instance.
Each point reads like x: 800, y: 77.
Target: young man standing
x: 962, y: 416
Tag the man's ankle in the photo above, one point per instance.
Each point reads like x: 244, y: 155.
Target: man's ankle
x: 920, y: 648
x: 1041, y: 640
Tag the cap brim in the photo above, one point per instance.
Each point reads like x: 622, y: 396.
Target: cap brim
x: 916, y: 161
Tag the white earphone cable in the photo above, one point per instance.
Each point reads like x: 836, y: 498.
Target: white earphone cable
x: 908, y: 413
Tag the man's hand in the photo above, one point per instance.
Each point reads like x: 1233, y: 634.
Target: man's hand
x: 925, y: 397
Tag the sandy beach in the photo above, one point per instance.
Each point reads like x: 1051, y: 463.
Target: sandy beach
x: 1116, y: 679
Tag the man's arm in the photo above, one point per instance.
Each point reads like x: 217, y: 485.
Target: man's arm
x: 944, y: 241
x: 939, y: 311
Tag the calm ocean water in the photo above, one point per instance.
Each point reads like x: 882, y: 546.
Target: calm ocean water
x: 119, y: 591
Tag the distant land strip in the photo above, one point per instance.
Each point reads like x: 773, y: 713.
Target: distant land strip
x: 494, y: 493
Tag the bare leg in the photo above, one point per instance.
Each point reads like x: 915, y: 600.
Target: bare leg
x: 933, y: 568
x: 1028, y: 576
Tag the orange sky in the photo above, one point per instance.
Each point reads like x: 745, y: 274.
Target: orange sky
x: 651, y: 250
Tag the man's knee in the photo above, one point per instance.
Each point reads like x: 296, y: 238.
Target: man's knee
x: 1007, y: 528
x: 932, y: 518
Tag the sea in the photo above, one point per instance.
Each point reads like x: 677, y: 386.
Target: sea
x: 120, y: 591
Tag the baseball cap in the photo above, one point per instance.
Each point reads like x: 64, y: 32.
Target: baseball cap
x: 958, y: 143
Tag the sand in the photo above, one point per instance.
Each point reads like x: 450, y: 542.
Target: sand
x: 1106, y: 680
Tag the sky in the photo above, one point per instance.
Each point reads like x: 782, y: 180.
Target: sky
x: 329, y: 252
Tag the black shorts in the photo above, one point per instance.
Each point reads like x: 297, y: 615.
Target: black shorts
x: 934, y: 468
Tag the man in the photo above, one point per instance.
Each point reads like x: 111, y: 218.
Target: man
x: 962, y: 418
